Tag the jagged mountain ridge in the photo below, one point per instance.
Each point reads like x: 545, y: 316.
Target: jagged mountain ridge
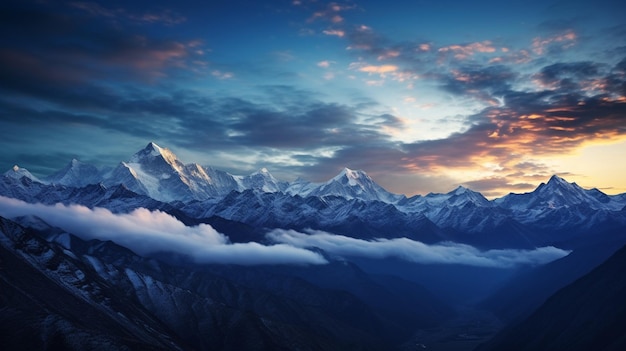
x: 350, y: 204
x: 75, y: 174
x: 157, y: 172
x: 245, y: 207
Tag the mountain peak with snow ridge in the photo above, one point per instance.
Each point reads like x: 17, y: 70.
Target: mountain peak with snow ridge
x: 352, y: 173
x: 17, y: 172
x: 460, y: 190
x: 559, y: 185
x: 558, y: 193
x: 555, y: 180
x: 354, y: 177
x: 152, y: 151
x: 75, y: 173
x: 156, y: 171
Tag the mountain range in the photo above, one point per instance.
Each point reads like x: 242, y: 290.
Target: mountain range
x: 157, y: 172
x: 158, y: 254
x: 350, y: 202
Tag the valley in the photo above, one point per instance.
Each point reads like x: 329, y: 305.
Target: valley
x: 167, y: 255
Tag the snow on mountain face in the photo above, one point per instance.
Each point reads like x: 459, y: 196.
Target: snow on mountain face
x: 458, y: 197
x: 157, y: 172
x: 222, y: 182
x: 460, y: 208
x: 17, y: 173
x: 263, y: 181
x: 558, y: 193
x: 75, y: 174
x: 349, y: 184
x: 125, y: 175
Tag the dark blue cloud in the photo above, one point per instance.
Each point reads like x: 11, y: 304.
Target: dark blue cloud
x: 103, y: 78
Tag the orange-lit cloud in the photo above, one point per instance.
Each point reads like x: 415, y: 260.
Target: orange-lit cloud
x: 565, y: 40
x: 388, y: 54
x: 382, y: 69
x: 331, y: 13
x: 515, y: 57
x: 424, y: 47
x: 335, y: 32
x: 462, y: 52
x: 504, y: 137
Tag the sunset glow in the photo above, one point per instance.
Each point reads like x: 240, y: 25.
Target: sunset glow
x: 423, y: 97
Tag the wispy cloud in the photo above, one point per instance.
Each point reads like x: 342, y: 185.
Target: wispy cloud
x: 462, y: 52
x: 331, y: 12
x: 167, y: 17
x: 493, y: 99
x: 380, y: 69
x: 100, y: 49
x: 335, y: 32
x: 415, y: 251
x: 222, y: 75
x: 324, y: 64
x: 148, y: 232
x: 560, y: 41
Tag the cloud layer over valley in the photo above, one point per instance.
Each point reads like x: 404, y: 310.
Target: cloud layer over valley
x: 149, y: 232
x: 415, y: 251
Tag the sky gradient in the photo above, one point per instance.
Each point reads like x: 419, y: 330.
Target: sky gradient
x: 422, y: 95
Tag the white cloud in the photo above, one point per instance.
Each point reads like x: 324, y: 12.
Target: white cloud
x: 323, y: 64
x: 335, y: 32
x: 222, y: 75
x: 415, y: 251
x: 146, y: 232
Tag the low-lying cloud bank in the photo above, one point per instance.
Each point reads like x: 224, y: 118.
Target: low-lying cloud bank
x: 146, y: 232
x: 415, y: 251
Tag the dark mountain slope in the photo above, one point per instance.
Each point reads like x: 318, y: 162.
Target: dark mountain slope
x: 72, y: 294
x: 529, y: 289
x: 39, y: 312
x: 588, y: 314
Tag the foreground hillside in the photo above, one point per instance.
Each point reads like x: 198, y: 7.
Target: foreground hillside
x: 589, y: 314
x: 158, y: 254
x: 73, y: 294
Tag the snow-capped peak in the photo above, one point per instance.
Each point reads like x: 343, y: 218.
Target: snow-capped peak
x: 462, y: 195
x: 355, y: 177
x: 351, y: 173
x: 262, y: 180
x: 16, y: 172
x: 556, y: 193
x: 350, y: 184
x: 76, y: 173
x: 151, y: 151
x: 262, y: 173
x: 559, y: 185
x: 555, y: 180
x: 459, y: 190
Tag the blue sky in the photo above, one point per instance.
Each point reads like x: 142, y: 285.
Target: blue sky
x: 421, y: 95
